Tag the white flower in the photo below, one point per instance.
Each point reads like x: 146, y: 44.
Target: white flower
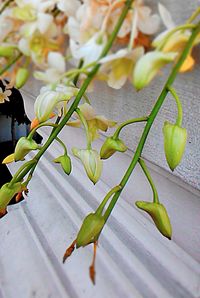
x: 4, y: 95
x: 148, y: 66
x: 95, y: 122
x: 119, y: 66
x: 69, y: 7
x: 147, y: 23
x: 49, y: 100
x: 55, y: 68
x: 91, y: 50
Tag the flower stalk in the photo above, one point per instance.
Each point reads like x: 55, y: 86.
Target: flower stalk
x: 82, y: 90
x: 152, y: 117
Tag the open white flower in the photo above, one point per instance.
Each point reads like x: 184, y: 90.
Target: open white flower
x: 95, y: 122
x: 4, y: 95
x: 119, y: 66
x: 55, y: 68
x: 91, y: 50
x: 68, y: 7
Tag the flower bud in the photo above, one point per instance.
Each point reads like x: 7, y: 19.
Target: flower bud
x: 110, y: 146
x: 48, y: 100
x: 7, y: 51
x: 91, y: 162
x: 159, y: 215
x: 6, y: 195
x: 65, y: 162
x: 175, y: 138
x: 21, y: 77
x: 90, y: 230
x: 148, y: 66
x: 23, y: 147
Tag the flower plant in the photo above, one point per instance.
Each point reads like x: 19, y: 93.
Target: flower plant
x: 69, y: 44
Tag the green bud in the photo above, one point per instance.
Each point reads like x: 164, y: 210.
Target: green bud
x: 175, y: 138
x: 7, y: 51
x: 91, y: 161
x: 21, y: 77
x: 159, y: 215
x: 90, y: 230
x: 23, y: 147
x: 110, y: 146
x: 6, y: 195
x: 65, y: 162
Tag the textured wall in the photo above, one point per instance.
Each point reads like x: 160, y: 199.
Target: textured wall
x: 126, y: 103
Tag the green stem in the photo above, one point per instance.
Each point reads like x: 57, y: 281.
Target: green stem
x: 118, y: 130
x: 31, y: 134
x: 149, y: 178
x: 5, y: 5
x: 84, y: 122
x: 99, y: 210
x: 179, y: 106
x: 75, y: 81
x: 152, y: 117
x: 194, y: 15
x: 86, y: 99
x: 62, y: 144
x: 27, y: 165
x: 178, y: 28
x: 10, y: 64
x: 85, y: 85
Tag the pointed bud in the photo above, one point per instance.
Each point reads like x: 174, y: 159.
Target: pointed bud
x: 175, y: 138
x: 21, y: 77
x: 148, y: 66
x: 110, y: 146
x: 7, y: 51
x: 159, y: 215
x: 65, y: 162
x: 6, y: 195
x: 91, y: 162
x: 23, y: 147
x: 90, y: 230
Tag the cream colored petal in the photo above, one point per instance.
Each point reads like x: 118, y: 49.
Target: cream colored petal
x: 87, y: 111
x: 166, y: 17
x: 56, y: 60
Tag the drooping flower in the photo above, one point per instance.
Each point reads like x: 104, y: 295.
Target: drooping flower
x: 6, y: 194
x: 49, y: 99
x: 176, y: 41
x: 110, y: 146
x: 175, y: 138
x: 65, y: 162
x: 23, y: 147
x: 148, y: 66
x: 90, y: 229
x: 95, y: 122
x: 91, y: 161
x: 159, y: 215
